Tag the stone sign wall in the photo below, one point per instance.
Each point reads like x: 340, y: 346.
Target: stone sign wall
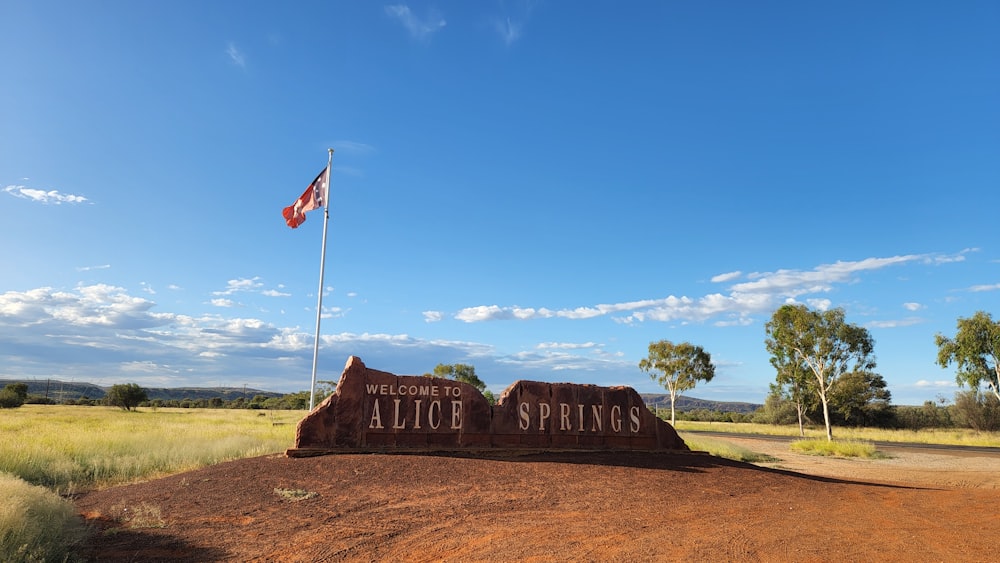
x: 376, y: 410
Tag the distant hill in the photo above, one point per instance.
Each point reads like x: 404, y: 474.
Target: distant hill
x: 685, y: 404
x: 71, y: 390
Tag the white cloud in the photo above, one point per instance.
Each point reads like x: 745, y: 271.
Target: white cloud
x: 275, y: 293
x: 937, y: 383
x: 764, y: 292
x: 220, y: 302
x: 730, y: 276
x: 235, y: 55
x: 241, y: 284
x: 419, y: 28
x: 433, y: 316
x: 42, y: 196
x: 989, y: 287
x: 912, y: 306
x: 909, y: 321
x: 89, y: 268
x: 565, y: 345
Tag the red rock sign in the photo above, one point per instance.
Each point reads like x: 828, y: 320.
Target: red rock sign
x: 377, y: 410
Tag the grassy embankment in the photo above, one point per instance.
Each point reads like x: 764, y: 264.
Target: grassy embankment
x: 48, y: 450
x: 848, y: 442
x: 949, y: 436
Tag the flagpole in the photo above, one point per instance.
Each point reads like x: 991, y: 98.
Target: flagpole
x: 322, y: 268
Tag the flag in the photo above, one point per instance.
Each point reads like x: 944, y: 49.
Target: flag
x: 313, y: 198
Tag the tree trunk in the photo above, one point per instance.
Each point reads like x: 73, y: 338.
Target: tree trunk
x: 799, y: 409
x: 673, y: 398
x: 826, y: 417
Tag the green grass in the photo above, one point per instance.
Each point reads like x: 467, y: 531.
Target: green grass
x: 839, y: 448
x: 35, y: 523
x: 67, y: 448
x: 721, y: 448
x: 950, y: 436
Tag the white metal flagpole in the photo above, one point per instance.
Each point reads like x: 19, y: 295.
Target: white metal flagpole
x: 322, y: 268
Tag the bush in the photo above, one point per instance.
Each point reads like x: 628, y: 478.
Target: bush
x: 977, y: 410
x: 35, y: 524
x: 127, y: 396
x: 10, y: 399
x: 842, y: 448
x: 13, y: 395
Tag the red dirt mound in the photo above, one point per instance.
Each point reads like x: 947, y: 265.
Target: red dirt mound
x: 540, y: 507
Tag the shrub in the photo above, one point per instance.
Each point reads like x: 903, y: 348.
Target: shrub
x: 9, y: 399
x: 35, y: 524
x: 127, y: 396
x: 977, y: 410
x: 843, y: 448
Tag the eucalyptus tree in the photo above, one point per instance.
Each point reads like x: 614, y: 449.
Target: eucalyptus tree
x: 976, y: 351
x: 677, y: 367
x: 466, y: 373
x: 824, y: 343
x: 794, y: 380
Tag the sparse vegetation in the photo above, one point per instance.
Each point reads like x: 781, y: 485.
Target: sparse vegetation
x: 840, y: 448
x: 295, y: 495
x: 721, y: 448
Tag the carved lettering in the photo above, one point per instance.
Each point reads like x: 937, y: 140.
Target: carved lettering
x: 598, y: 412
x: 564, y: 423
x: 397, y: 424
x: 456, y: 415
x: 634, y: 419
x: 616, y: 418
x: 376, y: 421
x: 544, y: 410
x: 523, y: 420
x: 430, y: 415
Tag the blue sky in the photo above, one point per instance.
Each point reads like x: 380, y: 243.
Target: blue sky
x: 539, y: 189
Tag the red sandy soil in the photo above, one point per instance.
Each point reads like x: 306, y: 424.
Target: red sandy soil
x: 551, y: 507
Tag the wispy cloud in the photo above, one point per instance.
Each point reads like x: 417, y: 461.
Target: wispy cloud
x: 42, y: 196
x: 235, y: 55
x: 937, y: 383
x: 241, y: 284
x: 509, y: 31
x: 988, y: 287
x: 909, y: 321
x: 763, y: 292
x: 433, y: 316
x: 352, y: 147
x: 419, y: 28
x: 90, y: 268
x: 729, y: 276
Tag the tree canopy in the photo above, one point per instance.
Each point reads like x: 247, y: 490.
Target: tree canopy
x: 821, y: 343
x: 13, y: 395
x: 677, y: 367
x: 976, y: 351
x: 466, y: 374
x: 126, y: 395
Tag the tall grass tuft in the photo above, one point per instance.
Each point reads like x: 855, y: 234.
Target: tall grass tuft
x: 721, y: 448
x: 841, y: 448
x: 35, y: 523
